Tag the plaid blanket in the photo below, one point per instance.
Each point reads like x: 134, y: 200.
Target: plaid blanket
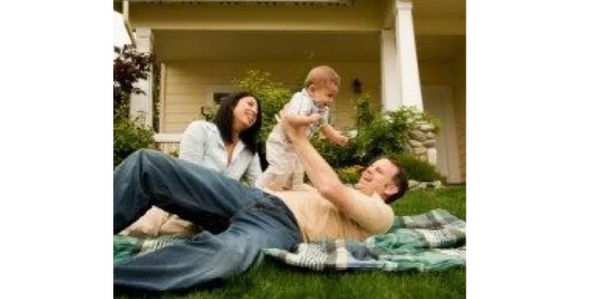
x: 433, y: 241
x: 125, y: 247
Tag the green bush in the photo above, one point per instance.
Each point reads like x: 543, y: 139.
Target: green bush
x: 417, y: 169
x: 129, y: 66
x: 272, y: 95
x: 350, y: 174
x: 376, y: 134
x: 129, y: 137
x: 336, y: 156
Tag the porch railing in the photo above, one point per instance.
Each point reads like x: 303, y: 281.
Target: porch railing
x: 167, y: 143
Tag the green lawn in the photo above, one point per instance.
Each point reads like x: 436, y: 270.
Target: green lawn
x: 275, y: 280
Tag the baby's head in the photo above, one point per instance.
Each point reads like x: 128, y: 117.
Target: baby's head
x: 322, y: 84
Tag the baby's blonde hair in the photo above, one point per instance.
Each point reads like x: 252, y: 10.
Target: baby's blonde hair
x: 322, y: 76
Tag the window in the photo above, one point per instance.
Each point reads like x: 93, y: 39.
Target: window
x: 217, y: 93
x: 219, y: 96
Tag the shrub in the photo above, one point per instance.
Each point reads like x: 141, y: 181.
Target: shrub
x: 386, y: 133
x: 375, y: 133
x: 417, y: 169
x: 129, y: 66
x: 129, y: 137
x: 350, y: 174
x: 272, y: 95
x: 336, y: 156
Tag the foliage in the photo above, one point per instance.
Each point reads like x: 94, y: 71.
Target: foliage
x: 350, y: 174
x: 272, y: 95
x: 129, y: 66
x: 207, y: 112
x: 375, y: 134
x: 156, y: 105
x: 418, y: 170
x: 336, y: 156
x: 128, y: 136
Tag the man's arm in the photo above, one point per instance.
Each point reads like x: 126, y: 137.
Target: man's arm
x: 320, y: 173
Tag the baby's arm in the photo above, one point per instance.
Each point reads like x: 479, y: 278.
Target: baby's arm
x: 333, y: 135
x: 299, y: 109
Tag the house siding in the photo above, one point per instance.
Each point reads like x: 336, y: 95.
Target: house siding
x: 189, y: 85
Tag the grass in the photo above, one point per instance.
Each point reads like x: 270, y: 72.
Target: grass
x: 275, y: 280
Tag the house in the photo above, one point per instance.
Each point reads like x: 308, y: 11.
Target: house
x: 401, y: 52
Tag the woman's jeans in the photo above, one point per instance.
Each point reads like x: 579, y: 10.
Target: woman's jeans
x: 256, y: 220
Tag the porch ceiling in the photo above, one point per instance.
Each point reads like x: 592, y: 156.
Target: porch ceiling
x: 440, y: 9
x: 183, y: 45
x: 421, y: 8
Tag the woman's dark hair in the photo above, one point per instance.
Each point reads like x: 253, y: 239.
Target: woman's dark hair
x: 224, y: 120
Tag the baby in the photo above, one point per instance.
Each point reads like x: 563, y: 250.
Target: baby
x: 308, y: 107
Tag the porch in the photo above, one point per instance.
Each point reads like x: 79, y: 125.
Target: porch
x: 397, y: 50
x: 167, y: 143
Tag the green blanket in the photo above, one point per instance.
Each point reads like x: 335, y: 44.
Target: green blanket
x: 433, y: 241
x: 125, y: 247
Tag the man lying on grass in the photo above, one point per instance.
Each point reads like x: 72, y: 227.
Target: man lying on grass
x: 256, y: 219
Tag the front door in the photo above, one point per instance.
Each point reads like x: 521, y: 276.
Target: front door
x: 437, y: 100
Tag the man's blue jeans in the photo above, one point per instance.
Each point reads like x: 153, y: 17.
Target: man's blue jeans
x: 256, y: 219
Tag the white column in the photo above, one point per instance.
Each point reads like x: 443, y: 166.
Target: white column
x: 390, y: 90
x: 141, y: 104
x: 410, y: 83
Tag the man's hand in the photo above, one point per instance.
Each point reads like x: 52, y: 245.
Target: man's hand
x: 294, y: 132
x: 314, y: 118
x: 321, y: 174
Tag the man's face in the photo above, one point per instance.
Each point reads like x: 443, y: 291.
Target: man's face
x: 378, y: 178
